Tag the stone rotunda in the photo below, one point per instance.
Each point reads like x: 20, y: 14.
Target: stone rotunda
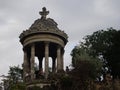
x: 43, y: 40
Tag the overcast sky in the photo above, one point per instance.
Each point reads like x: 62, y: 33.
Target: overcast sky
x: 77, y: 18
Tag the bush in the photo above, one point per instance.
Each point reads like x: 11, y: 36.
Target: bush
x: 19, y: 86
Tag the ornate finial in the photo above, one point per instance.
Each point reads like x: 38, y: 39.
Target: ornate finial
x: 44, y: 13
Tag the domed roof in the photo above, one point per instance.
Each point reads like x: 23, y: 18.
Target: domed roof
x: 44, y: 25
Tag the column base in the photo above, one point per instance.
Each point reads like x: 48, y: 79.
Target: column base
x: 36, y: 84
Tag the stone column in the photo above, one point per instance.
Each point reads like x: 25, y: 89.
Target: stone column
x: 46, y: 59
x: 53, y: 64
x: 25, y: 65
x: 40, y: 62
x: 32, y: 60
x: 58, y: 58
x: 62, y: 60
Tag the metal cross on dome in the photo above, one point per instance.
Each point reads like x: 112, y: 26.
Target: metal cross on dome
x: 44, y: 13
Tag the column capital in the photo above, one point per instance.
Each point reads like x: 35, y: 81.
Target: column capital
x: 59, y: 46
x: 32, y: 44
x: 46, y: 42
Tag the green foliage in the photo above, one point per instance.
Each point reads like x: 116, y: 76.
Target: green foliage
x: 85, y: 68
x: 15, y: 74
x: 106, y: 46
x: 35, y: 88
x: 83, y: 62
x: 66, y: 82
x: 18, y: 86
x: 14, y: 80
x: 38, y: 88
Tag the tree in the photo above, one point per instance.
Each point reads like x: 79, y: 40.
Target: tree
x: 14, y: 80
x: 105, y: 44
x: 85, y: 68
x: 80, y: 56
x: 112, y: 55
x: 15, y: 74
x: 1, y: 86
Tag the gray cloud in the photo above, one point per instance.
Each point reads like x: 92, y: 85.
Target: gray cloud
x: 76, y: 17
